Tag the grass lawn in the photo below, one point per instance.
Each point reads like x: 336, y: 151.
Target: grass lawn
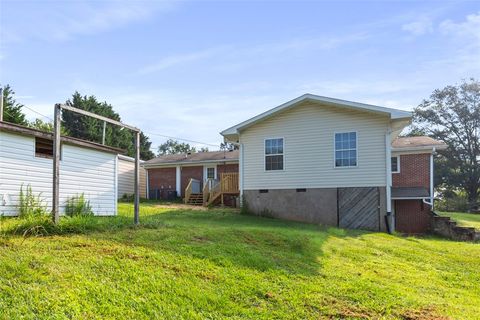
x: 464, y: 219
x: 193, y: 264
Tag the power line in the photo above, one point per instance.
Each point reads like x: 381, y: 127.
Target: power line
x: 181, y: 139
x: 38, y: 113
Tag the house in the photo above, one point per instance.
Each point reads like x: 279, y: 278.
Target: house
x: 191, y: 175
x: 329, y: 161
x: 126, y: 176
x: 85, y: 167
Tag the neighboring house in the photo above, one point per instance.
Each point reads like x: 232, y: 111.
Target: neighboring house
x: 85, y: 167
x: 323, y: 160
x: 170, y: 175
x: 126, y: 177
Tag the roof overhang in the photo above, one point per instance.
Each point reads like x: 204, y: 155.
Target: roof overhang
x: 187, y: 163
x: 231, y: 134
x: 420, y: 149
x: 25, y: 131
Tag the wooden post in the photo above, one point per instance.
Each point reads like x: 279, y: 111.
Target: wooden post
x: 103, y: 136
x: 56, y: 165
x: 1, y: 104
x: 136, y: 218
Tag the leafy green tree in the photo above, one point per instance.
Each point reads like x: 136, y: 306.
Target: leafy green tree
x: 46, y: 126
x: 91, y: 129
x: 452, y: 114
x: 175, y: 147
x: 12, y: 110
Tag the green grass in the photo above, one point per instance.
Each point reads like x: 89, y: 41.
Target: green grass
x: 219, y: 264
x: 464, y: 219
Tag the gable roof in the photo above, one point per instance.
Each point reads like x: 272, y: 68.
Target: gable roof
x: 193, y: 158
x: 26, y: 131
x: 417, y: 143
x: 392, y: 113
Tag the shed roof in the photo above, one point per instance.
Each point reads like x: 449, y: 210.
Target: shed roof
x: 410, y: 193
x: 22, y: 130
x: 198, y: 157
x: 417, y: 143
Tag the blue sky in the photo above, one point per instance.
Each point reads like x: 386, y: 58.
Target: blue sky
x: 191, y: 69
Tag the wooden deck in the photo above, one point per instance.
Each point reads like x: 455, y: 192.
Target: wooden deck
x: 213, y: 191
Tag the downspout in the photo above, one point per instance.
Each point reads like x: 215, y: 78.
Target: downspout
x: 389, y: 219
x: 432, y: 196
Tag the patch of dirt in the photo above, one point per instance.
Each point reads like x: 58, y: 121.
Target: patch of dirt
x: 181, y: 206
x: 200, y: 239
x: 427, y: 313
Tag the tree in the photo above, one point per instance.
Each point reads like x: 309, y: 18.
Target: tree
x: 12, y: 110
x: 91, y: 129
x: 46, y: 126
x: 175, y: 147
x: 227, y: 146
x: 203, y: 149
x: 452, y: 114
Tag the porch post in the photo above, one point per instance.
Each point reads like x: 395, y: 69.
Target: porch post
x: 178, y: 178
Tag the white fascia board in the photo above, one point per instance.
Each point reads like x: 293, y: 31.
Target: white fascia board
x: 419, y: 149
x: 188, y: 164
x: 394, y: 113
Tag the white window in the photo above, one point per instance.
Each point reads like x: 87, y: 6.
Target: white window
x: 274, y: 154
x: 396, y: 164
x: 346, y: 149
x: 210, y: 173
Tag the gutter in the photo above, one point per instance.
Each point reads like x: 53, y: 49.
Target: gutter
x: 389, y: 218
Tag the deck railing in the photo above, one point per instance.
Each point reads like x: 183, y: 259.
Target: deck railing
x: 192, y: 187
x: 229, y: 182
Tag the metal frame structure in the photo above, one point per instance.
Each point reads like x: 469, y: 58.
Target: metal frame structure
x: 56, y: 158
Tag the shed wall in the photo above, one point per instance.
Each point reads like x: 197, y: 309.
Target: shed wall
x: 126, y: 178
x: 82, y: 170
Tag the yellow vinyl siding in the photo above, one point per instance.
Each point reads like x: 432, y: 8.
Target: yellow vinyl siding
x: 308, y: 132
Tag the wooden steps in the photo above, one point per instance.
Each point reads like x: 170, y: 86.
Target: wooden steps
x: 195, y: 199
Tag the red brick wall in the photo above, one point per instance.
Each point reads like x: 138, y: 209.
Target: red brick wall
x: 412, y: 216
x: 414, y: 171
x: 162, y: 178
x: 189, y: 173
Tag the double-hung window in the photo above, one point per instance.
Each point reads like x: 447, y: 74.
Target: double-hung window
x: 274, y: 154
x: 396, y: 164
x: 210, y: 173
x: 346, y: 149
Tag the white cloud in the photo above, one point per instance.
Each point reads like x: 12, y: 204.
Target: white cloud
x: 181, y: 59
x: 419, y: 27
x: 237, y: 56
x: 66, y: 20
x: 470, y: 28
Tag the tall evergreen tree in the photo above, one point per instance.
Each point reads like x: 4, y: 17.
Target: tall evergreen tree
x: 12, y: 110
x: 91, y: 129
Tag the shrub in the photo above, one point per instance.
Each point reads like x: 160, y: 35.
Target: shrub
x: 244, y: 207
x: 78, y: 206
x: 29, y: 204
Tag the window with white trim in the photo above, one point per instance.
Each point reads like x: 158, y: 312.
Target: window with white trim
x: 210, y: 173
x: 274, y: 154
x: 396, y: 164
x: 346, y: 149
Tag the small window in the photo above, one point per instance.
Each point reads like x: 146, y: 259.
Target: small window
x: 263, y: 191
x: 395, y: 164
x: 210, y: 173
x: 43, y: 148
x: 302, y: 190
x: 274, y: 154
x: 346, y: 149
